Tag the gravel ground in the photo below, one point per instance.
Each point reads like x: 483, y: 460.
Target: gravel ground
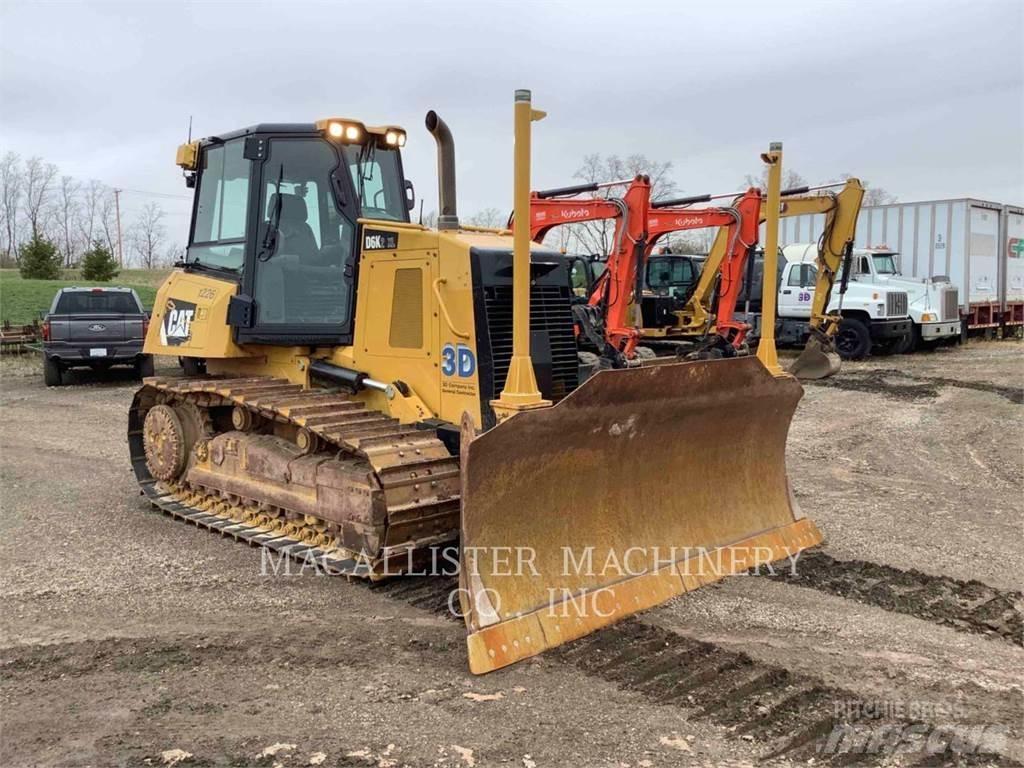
x: 127, y: 635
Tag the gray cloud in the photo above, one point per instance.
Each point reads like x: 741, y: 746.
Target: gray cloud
x: 923, y: 98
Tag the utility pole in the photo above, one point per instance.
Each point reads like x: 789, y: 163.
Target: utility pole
x: 117, y: 209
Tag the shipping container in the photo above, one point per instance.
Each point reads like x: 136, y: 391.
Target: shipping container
x: 978, y: 245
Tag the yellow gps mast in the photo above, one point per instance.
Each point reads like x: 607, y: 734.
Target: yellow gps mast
x: 769, y: 290
x: 521, y: 391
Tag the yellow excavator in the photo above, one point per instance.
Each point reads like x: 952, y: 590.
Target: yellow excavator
x: 818, y: 359
x: 375, y: 390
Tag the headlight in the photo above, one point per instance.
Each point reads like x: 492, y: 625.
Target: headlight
x: 881, y: 308
x: 394, y: 138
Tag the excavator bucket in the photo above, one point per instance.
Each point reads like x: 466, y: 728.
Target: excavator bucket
x: 642, y: 484
x: 819, y: 360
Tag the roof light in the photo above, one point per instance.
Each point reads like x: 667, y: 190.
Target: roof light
x: 391, y: 138
x: 335, y: 130
x: 401, y: 139
x: 352, y: 132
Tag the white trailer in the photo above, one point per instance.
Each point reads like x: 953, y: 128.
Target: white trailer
x: 977, y: 244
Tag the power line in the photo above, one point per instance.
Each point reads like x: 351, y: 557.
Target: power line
x: 157, y: 194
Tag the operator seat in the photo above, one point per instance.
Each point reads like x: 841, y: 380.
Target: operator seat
x: 295, y: 236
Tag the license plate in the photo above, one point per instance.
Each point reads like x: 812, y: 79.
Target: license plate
x: 98, y: 352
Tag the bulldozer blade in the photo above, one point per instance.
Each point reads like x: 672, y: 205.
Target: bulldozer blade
x: 819, y: 360
x: 642, y: 484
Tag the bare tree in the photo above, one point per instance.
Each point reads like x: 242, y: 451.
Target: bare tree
x: 10, y: 196
x: 89, y: 208
x: 872, y: 195
x: 596, y: 236
x: 430, y: 219
x: 38, y: 185
x: 108, y: 221
x: 67, y: 213
x: 147, y: 233
x: 175, y: 252
x: 488, y: 217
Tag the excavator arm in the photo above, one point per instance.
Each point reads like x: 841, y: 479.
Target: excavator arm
x: 613, y: 292
x: 738, y: 229
x: 841, y: 210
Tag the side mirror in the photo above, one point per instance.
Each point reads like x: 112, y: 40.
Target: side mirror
x: 410, y: 196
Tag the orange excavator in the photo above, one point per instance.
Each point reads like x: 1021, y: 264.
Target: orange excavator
x: 608, y: 320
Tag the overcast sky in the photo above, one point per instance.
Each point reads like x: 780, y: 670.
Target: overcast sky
x: 925, y: 99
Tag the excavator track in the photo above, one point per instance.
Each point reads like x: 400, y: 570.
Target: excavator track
x: 312, y: 474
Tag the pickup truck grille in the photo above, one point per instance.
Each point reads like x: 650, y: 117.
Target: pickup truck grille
x: 951, y: 304
x: 896, y: 304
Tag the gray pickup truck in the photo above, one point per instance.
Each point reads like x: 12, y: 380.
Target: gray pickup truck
x: 94, y: 328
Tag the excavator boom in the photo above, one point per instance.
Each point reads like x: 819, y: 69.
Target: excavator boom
x: 840, y: 210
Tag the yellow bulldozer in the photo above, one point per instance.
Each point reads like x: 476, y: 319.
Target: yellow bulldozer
x: 362, y: 391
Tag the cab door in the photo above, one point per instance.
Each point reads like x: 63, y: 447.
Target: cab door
x: 797, y: 291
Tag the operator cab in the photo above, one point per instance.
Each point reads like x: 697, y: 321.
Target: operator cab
x: 277, y: 209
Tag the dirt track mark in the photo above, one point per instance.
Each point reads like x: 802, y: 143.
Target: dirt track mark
x: 968, y: 606
x: 791, y: 716
x: 911, y: 387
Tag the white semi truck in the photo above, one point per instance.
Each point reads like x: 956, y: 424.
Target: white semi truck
x: 875, y: 317
x: 933, y: 302
x: 977, y: 244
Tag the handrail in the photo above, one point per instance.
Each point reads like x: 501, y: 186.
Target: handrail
x: 444, y: 308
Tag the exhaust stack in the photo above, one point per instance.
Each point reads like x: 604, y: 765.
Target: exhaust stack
x: 448, y: 217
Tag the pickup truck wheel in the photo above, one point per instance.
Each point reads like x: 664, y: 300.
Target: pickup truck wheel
x: 51, y: 373
x: 144, y: 367
x: 853, y: 341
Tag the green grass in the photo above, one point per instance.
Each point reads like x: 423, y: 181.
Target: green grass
x: 21, y: 301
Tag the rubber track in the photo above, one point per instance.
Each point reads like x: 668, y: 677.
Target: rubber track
x: 400, y: 455
x: 968, y: 606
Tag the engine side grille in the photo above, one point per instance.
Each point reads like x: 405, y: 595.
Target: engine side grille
x: 550, y: 312
x: 896, y: 304
x: 951, y: 304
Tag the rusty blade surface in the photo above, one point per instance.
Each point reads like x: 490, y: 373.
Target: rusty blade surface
x: 620, y: 485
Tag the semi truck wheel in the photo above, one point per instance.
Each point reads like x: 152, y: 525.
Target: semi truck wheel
x: 908, y: 343
x: 853, y: 341
x: 51, y: 373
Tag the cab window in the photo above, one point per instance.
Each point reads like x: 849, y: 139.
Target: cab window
x: 377, y: 178
x: 218, y: 235
x: 666, y: 273
x: 304, y: 243
x: 802, y: 276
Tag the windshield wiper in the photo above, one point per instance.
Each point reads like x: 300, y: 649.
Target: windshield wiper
x: 366, y: 153
x: 269, y: 244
